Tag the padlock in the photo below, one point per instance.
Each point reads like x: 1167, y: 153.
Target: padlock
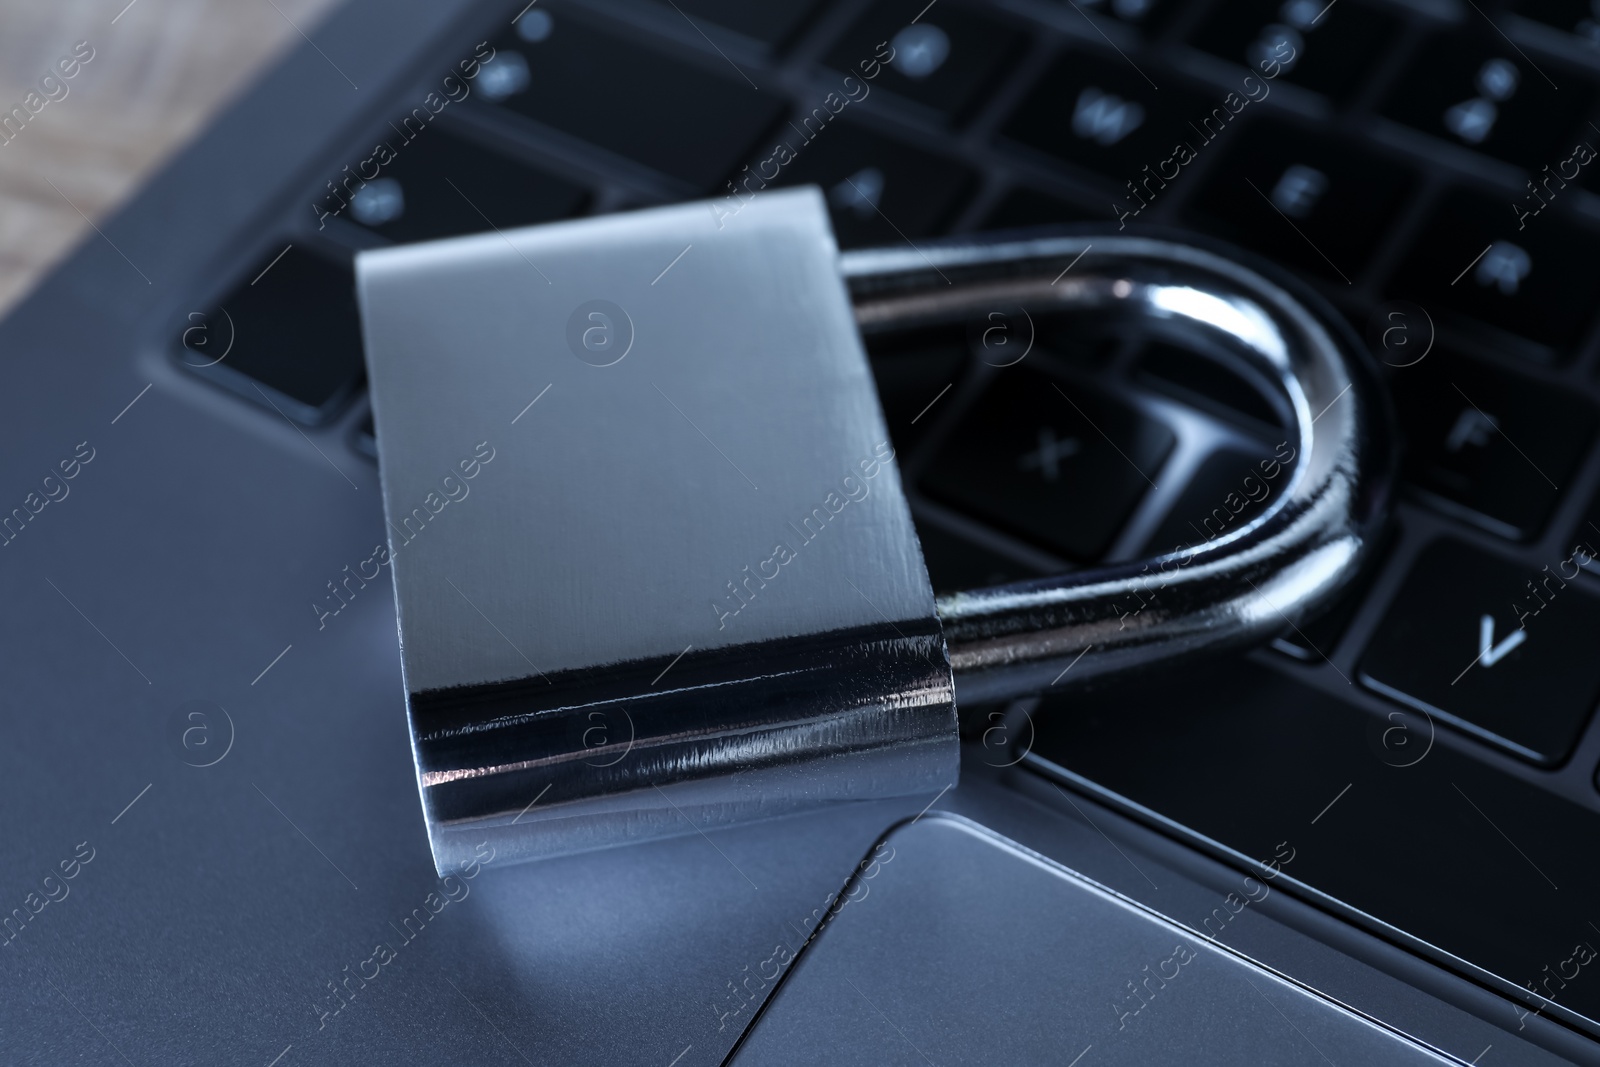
x: 654, y: 565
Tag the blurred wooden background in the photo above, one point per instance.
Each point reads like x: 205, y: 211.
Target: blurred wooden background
x: 161, y: 68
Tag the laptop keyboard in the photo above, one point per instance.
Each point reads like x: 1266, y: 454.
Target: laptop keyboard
x: 1029, y: 454
x: 1472, y: 262
x: 1336, y: 48
x: 773, y: 22
x: 692, y: 122
x: 1490, y: 448
x: 310, y: 358
x: 1338, y: 197
x: 1537, y: 682
x: 1404, y: 165
x: 945, y: 65
x: 1104, y: 115
x: 1465, y: 90
x: 875, y: 185
x: 447, y: 185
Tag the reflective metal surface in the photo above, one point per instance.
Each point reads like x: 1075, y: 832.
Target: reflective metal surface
x: 1232, y: 591
x: 654, y: 568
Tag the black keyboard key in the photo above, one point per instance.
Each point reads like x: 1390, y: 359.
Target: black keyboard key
x: 1309, y: 200
x: 772, y: 22
x: 1541, y: 281
x: 1074, y: 340
x: 1332, y: 48
x: 1027, y: 207
x: 294, y: 329
x: 956, y: 564
x: 1147, y: 15
x: 1502, y: 650
x: 1489, y: 445
x: 682, y: 120
x: 1100, y: 113
x: 1484, y: 95
x: 1211, y: 386
x: 1577, y: 17
x: 916, y: 374
x: 1062, y: 466
x: 441, y: 185
x: 945, y: 60
x: 880, y: 191
x: 1366, y: 809
x: 1229, y: 490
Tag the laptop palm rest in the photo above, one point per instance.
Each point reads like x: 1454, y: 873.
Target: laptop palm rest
x: 955, y: 945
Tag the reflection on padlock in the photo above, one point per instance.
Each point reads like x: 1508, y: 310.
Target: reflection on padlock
x: 693, y: 595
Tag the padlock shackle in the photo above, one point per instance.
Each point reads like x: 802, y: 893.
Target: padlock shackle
x: 1235, y: 590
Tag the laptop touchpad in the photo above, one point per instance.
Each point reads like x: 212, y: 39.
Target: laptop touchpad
x: 955, y: 945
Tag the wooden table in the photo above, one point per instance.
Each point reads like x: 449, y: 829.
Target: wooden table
x: 160, y: 70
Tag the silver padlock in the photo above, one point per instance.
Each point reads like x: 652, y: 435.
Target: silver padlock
x: 654, y: 566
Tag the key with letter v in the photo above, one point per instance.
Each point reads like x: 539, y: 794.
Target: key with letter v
x: 1490, y: 653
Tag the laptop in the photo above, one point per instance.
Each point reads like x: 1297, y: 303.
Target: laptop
x: 1383, y: 824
